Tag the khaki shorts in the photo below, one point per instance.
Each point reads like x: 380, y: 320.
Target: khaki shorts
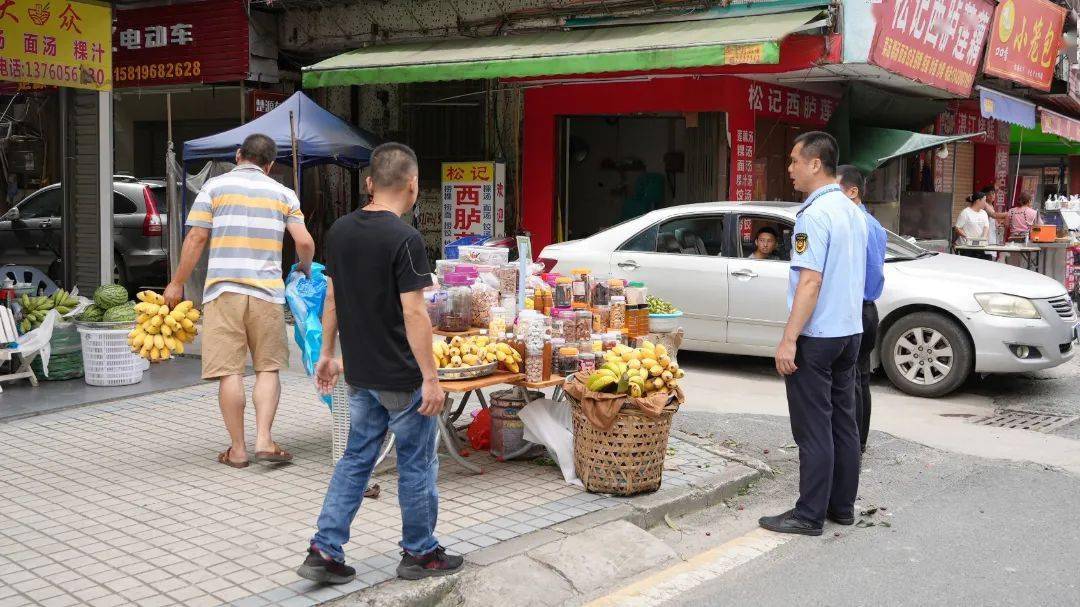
x: 235, y: 324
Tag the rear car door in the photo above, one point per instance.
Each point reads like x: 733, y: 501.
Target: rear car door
x: 679, y: 260
x: 757, y: 288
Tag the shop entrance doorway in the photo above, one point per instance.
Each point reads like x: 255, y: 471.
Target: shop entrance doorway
x: 616, y: 168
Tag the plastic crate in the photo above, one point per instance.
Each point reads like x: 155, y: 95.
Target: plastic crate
x: 107, y: 357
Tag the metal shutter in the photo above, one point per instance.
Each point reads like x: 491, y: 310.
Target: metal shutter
x: 84, y: 133
x: 963, y: 177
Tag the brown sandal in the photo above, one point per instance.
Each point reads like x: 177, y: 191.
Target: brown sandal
x: 223, y: 458
x: 277, y: 456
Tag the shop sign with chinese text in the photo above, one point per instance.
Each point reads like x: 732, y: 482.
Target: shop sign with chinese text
x: 56, y: 43
x: 967, y: 119
x: 204, y: 41
x: 264, y: 102
x: 473, y: 200
x: 1025, y: 41
x: 936, y: 42
x: 1056, y: 124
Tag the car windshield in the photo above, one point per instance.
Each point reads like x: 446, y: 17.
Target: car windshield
x: 898, y: 248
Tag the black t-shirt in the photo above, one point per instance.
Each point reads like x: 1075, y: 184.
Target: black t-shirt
x: 373, y: 257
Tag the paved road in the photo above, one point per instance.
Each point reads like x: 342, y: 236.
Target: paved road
x: 733, y: 384
x: 961, y: 530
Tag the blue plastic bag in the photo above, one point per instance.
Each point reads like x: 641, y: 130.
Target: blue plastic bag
x: 305, y: 297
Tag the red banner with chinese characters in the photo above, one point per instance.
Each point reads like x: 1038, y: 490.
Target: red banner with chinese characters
x: 1025, y: 41
x: 203, y: 41
x: 967, y: 118
x: 936, y: 42
x: 1056, y: 124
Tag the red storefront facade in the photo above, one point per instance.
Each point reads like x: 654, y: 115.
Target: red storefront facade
x: 742, y: 100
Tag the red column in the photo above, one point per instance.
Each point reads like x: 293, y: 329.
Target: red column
x: 538, y: 181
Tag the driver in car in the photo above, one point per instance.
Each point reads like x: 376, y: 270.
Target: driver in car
x: 765, y: 241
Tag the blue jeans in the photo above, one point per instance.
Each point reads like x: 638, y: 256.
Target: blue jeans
x: 418, y: 467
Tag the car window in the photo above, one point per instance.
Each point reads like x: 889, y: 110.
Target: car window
x: 159, y: 197
x: 645, y: 242
x: 44, y: 204
x: 122, y: 205
x: 693, y: 235
x: 770, y: 235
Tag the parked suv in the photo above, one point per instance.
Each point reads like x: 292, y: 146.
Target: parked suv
x: 30, y: 232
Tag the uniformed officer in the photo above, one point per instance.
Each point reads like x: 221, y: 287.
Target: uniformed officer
x: 853, y: 183
x: 820, y: 345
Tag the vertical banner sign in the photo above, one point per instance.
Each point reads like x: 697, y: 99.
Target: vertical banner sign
x: 1025, y: 41
x: 936, y: 42
x: 473, y: 199
x: 194, y: 42
x: 56, y: 43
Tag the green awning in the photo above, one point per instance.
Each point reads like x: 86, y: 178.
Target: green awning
x: 1038, y: 143
x: 740, y: 40
x: 872, y: 147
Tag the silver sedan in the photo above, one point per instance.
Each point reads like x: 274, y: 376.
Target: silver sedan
x: 942, y: 316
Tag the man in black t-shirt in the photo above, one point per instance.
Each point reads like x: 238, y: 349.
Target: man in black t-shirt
x: 376, y: 270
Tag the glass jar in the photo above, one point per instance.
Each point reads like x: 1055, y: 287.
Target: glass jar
x: 556, y: 344
x: 508, y: 278
x: 484, y: 298
x: 457, y: 308
x: 586, y: 362
x: 584, y: 325
x: 616, y: 288
x: 611, y: 339
x: 617, y: 318
x: 534, y: 364
x: 581, y: 285
x: 601, y: 295
x: 601, y: 318
x: 564, y: 292
x: 436, y: 300
x: 497, y: 324
x: 568, y: 361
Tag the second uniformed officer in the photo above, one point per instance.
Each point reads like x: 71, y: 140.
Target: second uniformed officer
x: 818, y: 351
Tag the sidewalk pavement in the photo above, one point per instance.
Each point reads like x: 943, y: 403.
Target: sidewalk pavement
x: 124, y: 503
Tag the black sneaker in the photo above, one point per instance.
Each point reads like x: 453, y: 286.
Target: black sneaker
x: 841, y: 520
x: 317, y: 568
x: 432, y: 564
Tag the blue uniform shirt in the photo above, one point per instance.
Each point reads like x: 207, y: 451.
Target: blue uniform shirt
x: 830, y: 237
x: 875, y: 257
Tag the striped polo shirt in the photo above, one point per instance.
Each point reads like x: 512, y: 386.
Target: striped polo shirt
x: 246, y: 212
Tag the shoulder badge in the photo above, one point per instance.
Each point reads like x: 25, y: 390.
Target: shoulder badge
x: 801, y: 243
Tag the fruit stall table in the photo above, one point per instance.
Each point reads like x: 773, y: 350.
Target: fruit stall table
x: 450, y: 413
x: 449, y: 416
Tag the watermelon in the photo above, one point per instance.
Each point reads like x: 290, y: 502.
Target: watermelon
x: 92, y: 314
x: 122, y: 313
x: 110, y: 296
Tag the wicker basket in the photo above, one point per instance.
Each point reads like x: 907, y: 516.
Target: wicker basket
x: 627, y: 459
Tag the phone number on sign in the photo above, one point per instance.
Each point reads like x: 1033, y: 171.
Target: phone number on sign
x: 53, y: 72
x: 158, y: 71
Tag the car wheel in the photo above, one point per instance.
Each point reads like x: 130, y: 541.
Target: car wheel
x: 927, y: 354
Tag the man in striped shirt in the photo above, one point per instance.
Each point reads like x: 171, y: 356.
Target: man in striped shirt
x: 244, y: 215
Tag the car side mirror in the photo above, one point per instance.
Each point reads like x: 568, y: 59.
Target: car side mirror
x: 11, y: 215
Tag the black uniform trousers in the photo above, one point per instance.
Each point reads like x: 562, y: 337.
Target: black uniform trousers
x: 863, y: 370
x: 821, y: 403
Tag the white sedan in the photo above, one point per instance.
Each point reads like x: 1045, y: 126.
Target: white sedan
x: 942, y: 316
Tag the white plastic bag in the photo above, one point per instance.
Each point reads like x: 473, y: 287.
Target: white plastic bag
x: 550, y: 423
x: 38, y: 341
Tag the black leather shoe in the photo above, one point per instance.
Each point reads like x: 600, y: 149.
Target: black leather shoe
x: 788, y: 523
x: 841, y: 520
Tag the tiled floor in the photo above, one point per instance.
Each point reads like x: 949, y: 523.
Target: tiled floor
x: 123, y: 503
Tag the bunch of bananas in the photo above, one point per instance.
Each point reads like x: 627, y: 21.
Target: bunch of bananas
x: 159, y: 333
x: 34, y: 309
x: 473, y: 351
x: 636, y: 372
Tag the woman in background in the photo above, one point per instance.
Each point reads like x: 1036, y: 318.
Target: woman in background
x: 1022, y: 218
x: 973, y: 224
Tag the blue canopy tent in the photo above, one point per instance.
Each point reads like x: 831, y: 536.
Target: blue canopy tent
x: 321, y: 137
